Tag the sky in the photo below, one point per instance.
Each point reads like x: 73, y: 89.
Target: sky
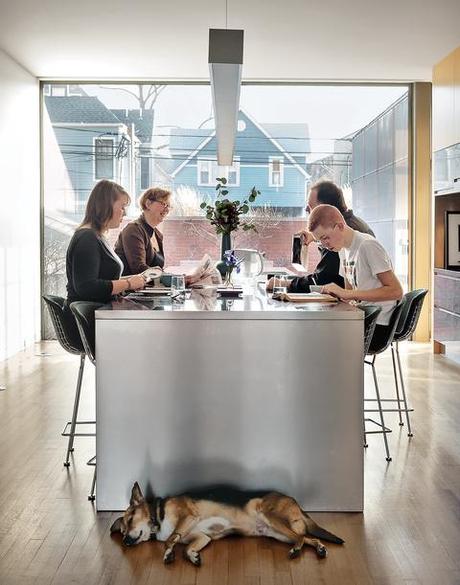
x: 331, y: 112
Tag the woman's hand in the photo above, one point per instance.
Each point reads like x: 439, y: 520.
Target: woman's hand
x: 337, y: 291
x: 136, y: 282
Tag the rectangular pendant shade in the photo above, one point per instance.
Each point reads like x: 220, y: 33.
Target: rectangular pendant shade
x: 225, y: 66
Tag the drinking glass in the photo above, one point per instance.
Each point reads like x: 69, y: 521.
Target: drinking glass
x: 178, y: 287
x: 279, y: 285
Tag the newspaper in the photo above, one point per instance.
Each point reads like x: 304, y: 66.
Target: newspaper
x: 203, y: 274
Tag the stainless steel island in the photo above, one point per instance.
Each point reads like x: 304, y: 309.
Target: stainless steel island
x: 253, y: 392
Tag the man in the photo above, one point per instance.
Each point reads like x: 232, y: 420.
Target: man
x: 327, y: 270
x: 364, y: 262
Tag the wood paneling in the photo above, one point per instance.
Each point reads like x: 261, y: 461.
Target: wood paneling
x: 443, y: 103
x: 51, y: 535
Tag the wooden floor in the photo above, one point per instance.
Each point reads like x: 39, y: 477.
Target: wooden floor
x: 50, y: 534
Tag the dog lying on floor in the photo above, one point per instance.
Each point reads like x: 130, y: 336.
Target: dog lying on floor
x: 199, y: 516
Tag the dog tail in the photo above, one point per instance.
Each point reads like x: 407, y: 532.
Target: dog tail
x: 322, y: 533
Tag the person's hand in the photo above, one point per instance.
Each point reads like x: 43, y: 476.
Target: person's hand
x: 306, y: 237
x: 284, y: 282
x: 136, y: 282
x: 336, y: 291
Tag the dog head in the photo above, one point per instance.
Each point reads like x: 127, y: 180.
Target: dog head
x: 136, y: 524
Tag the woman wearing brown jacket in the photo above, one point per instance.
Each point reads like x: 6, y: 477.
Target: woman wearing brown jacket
x: 140, y: 243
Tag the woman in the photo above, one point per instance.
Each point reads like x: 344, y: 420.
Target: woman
x: 93, y: 268
x: 140, y: 244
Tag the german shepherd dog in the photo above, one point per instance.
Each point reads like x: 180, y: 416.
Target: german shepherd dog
x: 197, y: 517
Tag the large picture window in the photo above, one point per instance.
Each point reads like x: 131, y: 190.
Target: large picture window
x: 289, y: 137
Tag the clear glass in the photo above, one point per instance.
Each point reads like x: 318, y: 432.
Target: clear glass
x: 279, y: 285
x: 178, y: 287
x: 288, y: 137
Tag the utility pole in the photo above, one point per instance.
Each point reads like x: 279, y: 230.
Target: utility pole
x: 132, y: 170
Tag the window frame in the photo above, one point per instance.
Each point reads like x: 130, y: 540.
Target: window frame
x: 105, y: 139
x: 271, y: 159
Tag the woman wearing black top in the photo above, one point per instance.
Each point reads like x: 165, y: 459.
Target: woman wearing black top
x: 93, y: 268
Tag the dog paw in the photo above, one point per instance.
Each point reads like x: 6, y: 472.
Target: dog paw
x: 294, y: 552
x: 194, y: 557
x: 169, y: 556
x: 321, y: 551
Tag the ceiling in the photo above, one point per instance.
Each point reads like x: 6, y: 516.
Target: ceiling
x: 396, y: 40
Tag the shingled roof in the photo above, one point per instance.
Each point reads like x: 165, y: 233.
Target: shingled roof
x: 78, y: 110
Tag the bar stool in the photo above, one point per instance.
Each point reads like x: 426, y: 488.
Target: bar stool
x: 412, y: 307
x: 69, y: 338
x: 83, y: 312
x: 373, y: 350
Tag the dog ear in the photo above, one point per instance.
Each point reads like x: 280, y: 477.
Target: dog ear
x: 136, y: 495
x: 116, y: 526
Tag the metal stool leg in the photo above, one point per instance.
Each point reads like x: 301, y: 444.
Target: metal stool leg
x: 398, y: 399
x: 403, y: 390
x: 75, y: 410
x: 93, y: 462
x: 382, y: 422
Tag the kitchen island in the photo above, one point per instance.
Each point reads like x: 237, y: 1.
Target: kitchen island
x: 254, y: 392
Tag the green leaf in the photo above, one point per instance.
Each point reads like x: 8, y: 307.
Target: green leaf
x: 223, y: 180
x: 244, y: 208
x: 252, y: 198
x: 224, y: 192
x: 203, y: 205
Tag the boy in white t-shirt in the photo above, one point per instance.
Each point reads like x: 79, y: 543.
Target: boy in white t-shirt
x: 364, y: 262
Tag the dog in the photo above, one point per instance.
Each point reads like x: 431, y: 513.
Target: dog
x: 196, y: 517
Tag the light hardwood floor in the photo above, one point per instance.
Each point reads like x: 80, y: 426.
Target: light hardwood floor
x: 50, y: 534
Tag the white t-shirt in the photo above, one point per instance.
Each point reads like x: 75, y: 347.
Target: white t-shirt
x: 360, y: 264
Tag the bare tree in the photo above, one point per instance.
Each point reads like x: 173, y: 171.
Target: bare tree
x: 146, y: 95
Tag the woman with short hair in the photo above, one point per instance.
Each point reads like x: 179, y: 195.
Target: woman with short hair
x: 140, y: 243
x: 93, y: 268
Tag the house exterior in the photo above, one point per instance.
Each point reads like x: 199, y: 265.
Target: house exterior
x: 270, y: 157
x: 89, y: 142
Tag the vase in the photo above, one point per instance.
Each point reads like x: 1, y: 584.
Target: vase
x: 228, y: 282
x: 226, y: 244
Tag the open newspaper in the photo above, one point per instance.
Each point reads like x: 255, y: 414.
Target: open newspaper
x: 203, y: 274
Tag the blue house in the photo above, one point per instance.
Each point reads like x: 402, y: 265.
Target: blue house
x: 90, y: 142
x: 271, y: 157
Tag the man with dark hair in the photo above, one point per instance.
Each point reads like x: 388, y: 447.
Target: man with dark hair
x: 327, y: 270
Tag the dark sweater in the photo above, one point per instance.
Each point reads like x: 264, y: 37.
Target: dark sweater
x: 328, y: 267
x: 90, y: 268
x: 134, y: 247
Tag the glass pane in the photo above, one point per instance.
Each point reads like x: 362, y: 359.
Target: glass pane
x: 288, y: 137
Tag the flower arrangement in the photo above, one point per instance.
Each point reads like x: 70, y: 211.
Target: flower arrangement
x: 225, y: 215
x: 231, y: 261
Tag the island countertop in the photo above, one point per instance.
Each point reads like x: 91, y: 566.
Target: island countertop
x: 255, y: 304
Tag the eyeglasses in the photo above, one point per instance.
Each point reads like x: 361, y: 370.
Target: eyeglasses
x: 165, y: 206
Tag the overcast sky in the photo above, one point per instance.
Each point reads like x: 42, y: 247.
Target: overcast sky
x: 330, y: 111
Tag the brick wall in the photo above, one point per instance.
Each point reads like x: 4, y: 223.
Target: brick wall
x: 190, y: 238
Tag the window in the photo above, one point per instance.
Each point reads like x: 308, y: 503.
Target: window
x: 276, y: 171
x: 209, y: 170
x: 205, y: 177
x: 58, y: 90
x: 232, y: 174
x: 103, y: 160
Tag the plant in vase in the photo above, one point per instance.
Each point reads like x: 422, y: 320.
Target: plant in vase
x: 232, y: 262
x: 226, y: 216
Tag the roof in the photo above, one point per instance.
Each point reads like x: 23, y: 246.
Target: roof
x: 78, y: 110
x: 294, y: 138
x: 142, y: 120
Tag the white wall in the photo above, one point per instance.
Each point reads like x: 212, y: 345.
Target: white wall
x: 19, y: 208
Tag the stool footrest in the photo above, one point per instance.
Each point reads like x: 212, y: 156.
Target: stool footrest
x: 381, y: 430
x: 66, y: 431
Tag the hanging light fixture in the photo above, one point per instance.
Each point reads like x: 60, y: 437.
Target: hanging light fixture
x: 225, y: 66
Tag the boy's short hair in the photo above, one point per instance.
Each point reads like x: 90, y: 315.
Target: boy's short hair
x: 325, y: 216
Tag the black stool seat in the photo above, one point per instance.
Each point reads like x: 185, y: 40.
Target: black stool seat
x: 69, y: 338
